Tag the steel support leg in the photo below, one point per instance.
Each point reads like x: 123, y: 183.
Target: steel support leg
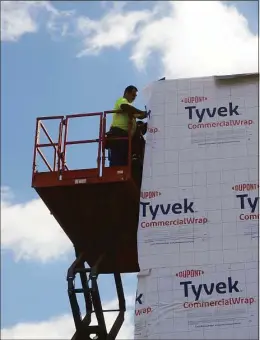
x: 88, y: 277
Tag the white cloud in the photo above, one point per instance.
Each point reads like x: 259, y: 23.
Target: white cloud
x: 30, y: 231
x: 199, y: 39
x: 56, y: 328
x: 187, y: 38
x: 190, y: 38
x: 6, y: 193
x: 115, y: 29
x: 22, y: 17
x: 16, y: 20
x: 62, y: 327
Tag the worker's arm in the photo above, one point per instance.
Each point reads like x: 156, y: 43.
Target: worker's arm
x: 133, y: 111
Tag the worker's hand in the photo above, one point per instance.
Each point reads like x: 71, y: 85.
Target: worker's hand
x: 142, y: 115
x: 148, y: 113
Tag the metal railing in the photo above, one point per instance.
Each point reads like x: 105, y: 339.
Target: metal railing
x: 56, y: 145
x: 60, y: 146
x: 84, y: 141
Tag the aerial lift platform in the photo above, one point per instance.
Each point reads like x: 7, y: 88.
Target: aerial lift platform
x: 98, y: 209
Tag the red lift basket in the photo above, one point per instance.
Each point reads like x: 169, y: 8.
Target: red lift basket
x: 97, y: 208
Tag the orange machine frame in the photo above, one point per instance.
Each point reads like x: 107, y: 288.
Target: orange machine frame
x: 98, y: 209
x: 59, y: 173
x: 90, y: 204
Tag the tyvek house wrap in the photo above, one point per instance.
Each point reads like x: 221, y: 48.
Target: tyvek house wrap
x: 198, y: 224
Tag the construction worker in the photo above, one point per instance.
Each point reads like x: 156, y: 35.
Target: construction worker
x: 118, y: 149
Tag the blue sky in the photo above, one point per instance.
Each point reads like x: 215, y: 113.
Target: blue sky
x: 69, y: 57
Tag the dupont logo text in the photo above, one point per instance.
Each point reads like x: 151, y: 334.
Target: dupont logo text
x: 153, y: 129
x: 245, y: 187
x: 221, y: 111
x: 148, y: 209
x: 192, y: 100
x: 150, y: 194
x: 139, y: 298
x: 141, y: 311
x: 247, y: 202
x: 251, y: 205
x: 221, y: 287
x: 190, y: 273
x: 197, y: 292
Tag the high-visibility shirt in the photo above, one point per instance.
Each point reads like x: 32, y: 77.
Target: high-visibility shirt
x: 120, y: 120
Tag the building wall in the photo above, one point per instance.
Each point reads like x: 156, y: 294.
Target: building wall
x: 198, y: 225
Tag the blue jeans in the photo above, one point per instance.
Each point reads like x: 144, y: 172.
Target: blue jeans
x: 118, y: 153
